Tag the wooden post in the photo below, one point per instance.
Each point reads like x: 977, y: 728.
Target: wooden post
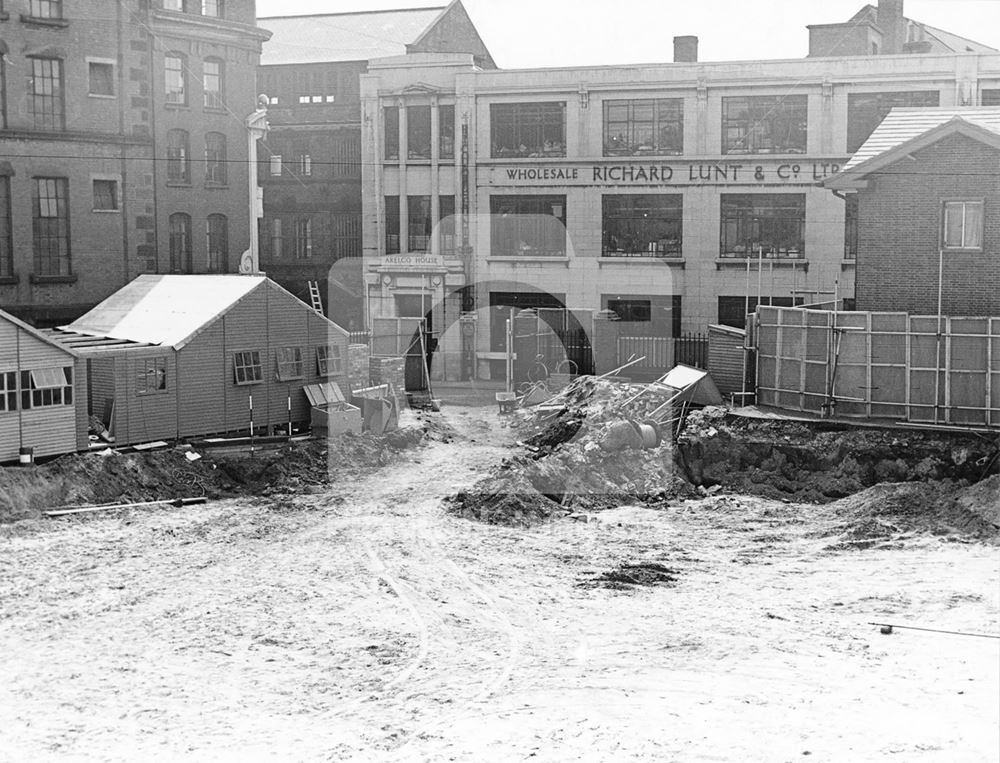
x: 251, y: 422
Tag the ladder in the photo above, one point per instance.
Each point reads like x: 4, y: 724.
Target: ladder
x: 314, y: 297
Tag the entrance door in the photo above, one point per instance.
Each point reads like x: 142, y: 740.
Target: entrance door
x: 418, y: 362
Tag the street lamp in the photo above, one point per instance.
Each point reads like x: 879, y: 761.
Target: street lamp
x: 257, y: 128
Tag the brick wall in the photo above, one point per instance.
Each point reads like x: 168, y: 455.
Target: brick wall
x: 358, y: 366
x: 899, y: 232
x: 390, y: 371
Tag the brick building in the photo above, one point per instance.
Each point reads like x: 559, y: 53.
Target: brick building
x: 123, y: 148
x: 662, y: 193
x: 927, y: 190
x: 311, y: 160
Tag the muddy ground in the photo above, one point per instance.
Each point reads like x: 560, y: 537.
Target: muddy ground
x: 365, y: 622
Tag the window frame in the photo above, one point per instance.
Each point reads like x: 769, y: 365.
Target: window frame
x: 325, y: 353
x: 3, y: 92
x: 277, y: 238
x: 6, y: 230
x: 109, y: 67
x: 40, y: 233
x: 878, y: 105
x: 46, y: 9
x: 658, y: 122
x: 390, y: 133
x: 217, y: 243
x: 216, y: 165
x: 180, y: 243
x: 114, y: 196
x: 51, y: 392
x: 744, y: 219
x: 48, y: 110
x: 418, y: 132
x: 420, y: 222
x: 505, y: 207
x: 965, y: 202
x: 289, y: 365
x: 214, y: 98
x: 758, y: 124
x: 393, y: 237
x: 521, y: 118
x: 155, y: 368
x: 178, y: 156
x: 303, y: 238
x: 247, y: 368
x: 633, y: 204
x: 178, y: 97
x: 219, y: 8
x: 9, y: 391
x: 446, y: 132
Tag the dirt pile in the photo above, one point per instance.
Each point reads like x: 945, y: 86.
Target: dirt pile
x: 807, y: 463
x: 586, y: 449
x: 887, y: 512
x: 627, y: 576
x: 111, y: 477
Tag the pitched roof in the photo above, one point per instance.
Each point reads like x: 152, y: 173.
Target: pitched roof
x: 946, y: 41
x: 166, y: 310
x: 904, y: 124
x: 335, y: 37
x: 38, y: 334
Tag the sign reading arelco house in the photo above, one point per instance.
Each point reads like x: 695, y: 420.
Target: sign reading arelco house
x: 730, y: 173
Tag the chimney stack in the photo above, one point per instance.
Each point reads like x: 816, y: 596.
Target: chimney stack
x: 685, y: 49
x: 893, y: 25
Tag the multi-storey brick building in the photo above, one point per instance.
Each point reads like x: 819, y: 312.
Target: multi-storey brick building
x: 123, y: 148
x: 311, y: 160
x: 672, y: 195
x: 928, y: 199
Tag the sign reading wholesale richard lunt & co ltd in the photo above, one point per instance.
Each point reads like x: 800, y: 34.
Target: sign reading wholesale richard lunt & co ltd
x: 805, y: 172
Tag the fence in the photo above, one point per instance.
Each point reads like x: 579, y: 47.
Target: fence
x: 880, y: 365
x: 662, y: 353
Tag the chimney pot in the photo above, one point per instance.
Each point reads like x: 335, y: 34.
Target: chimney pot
x: 685, y: 49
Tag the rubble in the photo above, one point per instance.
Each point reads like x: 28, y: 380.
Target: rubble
x: 629, y: 575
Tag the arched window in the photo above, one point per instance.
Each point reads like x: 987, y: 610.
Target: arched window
x: 178, y: 157
x: 217, y: 236
x: 214, y: 83
x: 215, y: 159
x: 181, y: 260
x: 175, y: 78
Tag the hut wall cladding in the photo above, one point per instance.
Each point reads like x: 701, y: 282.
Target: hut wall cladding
x: 204, y: 372
x: 51, y: 430
x: 148, y: 416
x: 246, y: 329
x: 285, y: 329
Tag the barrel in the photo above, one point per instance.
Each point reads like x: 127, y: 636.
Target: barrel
x: 650, y: 435
x: 27, y: 456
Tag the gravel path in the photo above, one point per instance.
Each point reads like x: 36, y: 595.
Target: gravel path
x: 367, y: 624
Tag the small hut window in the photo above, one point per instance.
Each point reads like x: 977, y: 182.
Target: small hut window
x: 44, y: 387
x: 151, y: 376
x: 8, y: 391
x: 290, y: 363
x: 247, y: 368
x: 329, y: 360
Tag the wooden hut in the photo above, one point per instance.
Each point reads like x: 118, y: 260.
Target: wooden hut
x: 180, y: 356
x: 40, y: 384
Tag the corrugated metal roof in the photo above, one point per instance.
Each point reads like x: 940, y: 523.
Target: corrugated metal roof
x: 902, y: 125
x: 165, y: 310
x: 333, y: 37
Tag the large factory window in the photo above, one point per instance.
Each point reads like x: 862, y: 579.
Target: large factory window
x: 764, y: 124
x: 390, y: 122
x: 418, y: 132
x: 644, y: 127
x: 528, y: 226
x: 768, y: 225
x: 642, y: 225
x: 392, y: 225
x: 528, y: 129
x: 865, y: 111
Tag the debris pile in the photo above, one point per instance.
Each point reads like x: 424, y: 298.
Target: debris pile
x: 629, y: 575
x: 592, y: 446
x: 807, y: 463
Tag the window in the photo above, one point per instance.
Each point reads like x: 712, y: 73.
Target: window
x: 216, y: 172
x: 304, y: 162
x: 175, y: 5
x: 390, y: 119
x: 46, y: 9
x: 106, y: 195
x: 656, y: 315
x: 733, y: 311
x: 45, y: 387
x: 212, y: 8
x: 865, y: 111
x: 446, y: 132
x: 213, y: 83
x: 528, y: 226
x: 8, y: 391
x: 289, y: 363
x: 392, y: 225
x: 764, y: 124
x: 345, y: 228
x: 990, y: 97
x: 420, y: 222
x: 6, y: 238
x: 446, y: 228
x: 962, y: 225
x: 634, y: 310
x: 178, y: 164
x: 276, y: 238
x: 275, y: 165
x: 48, y: 107
x: 217, y: 240
x: 247, y: 368
x: 528, y: 129
x: 151, y: 376
x: 647, y: 225
x: 181, y: 260
x: 303, y: 238
x: 175, y: 79
x: 771, y: 224
x: 101, y: 78
x: 851, y: 227
x: 329, y: 361
x: 641, y: 127
x: 418, y: 132
x: 50, y: 227
x: 347, y: 156
x: 3, y: 92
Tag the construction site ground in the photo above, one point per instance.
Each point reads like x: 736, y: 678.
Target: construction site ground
x: 363, y: 620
